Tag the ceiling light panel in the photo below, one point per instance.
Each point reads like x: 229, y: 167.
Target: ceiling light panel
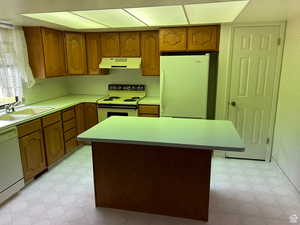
x: 160, y: 16
x: 111, y: 17
x: 66, y: 19
x: 218, y: 12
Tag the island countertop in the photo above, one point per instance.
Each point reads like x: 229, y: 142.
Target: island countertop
x: 164, y: 131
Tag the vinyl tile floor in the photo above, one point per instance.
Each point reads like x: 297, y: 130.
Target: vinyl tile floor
x: 242, y: 193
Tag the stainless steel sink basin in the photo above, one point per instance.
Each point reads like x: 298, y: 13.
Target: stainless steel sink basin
x: 32, y: 110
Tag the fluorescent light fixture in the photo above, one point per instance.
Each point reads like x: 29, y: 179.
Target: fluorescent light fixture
x: 160, y: 16
x: 111, y: 17
x: 66, y: 19
x: 217, y: 12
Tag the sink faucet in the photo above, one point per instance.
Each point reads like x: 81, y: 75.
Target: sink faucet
x: 11, y: 107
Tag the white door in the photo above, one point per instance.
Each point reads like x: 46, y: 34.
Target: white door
x: 254, y: 87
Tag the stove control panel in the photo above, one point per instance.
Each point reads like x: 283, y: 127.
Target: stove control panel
x: 126, y: 87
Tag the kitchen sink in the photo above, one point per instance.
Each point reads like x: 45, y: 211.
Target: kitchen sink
x: 12, y: 117
x: 32, y: 110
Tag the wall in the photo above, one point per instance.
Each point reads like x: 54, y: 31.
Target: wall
x: 97, y: 85
x: 45, y: 89
x: 286, y: 147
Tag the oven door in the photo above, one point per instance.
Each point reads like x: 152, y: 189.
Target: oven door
x: 106, y: 112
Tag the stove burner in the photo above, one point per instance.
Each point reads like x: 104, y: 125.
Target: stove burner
x: 135, y: 98
x: 113, y: 97
x: 110, y: 98
x: 129, y: 100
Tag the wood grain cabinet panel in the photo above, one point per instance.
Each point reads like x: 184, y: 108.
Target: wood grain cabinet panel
x: 32, y: 154
x: 54, y: 142
x: 79, y: 112
x: 76, y: 53
x: 130, y: 44
x: 205, y: 38
x: 94, y: 55
x: 172, y: 39
x: 110, y: 44
x: 90, y: 114
x: 45, y: 51
x: 150, y: 53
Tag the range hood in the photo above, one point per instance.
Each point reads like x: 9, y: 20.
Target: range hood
x: 120, y: 63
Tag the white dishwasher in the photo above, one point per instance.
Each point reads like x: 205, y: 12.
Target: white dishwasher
x: 11, y: 172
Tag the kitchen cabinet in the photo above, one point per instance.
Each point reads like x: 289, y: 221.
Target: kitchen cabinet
x: 173, y: 39
x: 130, y: 44
x: 70, y: 130
x: 90, y: 115
x: 80, y: 118
x: 204, y: 38
x: 45, y: 51
x: 32, y: 148
x: 54, y: 140
x: 75, y: 53
x: 110, y: 44
x: 148, y: 110
x: 150, y: 53
x: 94, y: 54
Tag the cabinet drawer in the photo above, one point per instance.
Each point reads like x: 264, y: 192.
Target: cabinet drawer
x: 50, y: 119
x: 149, y: 115
x: 29, y: 127
x: 148, y: 109
x: 68, y: 114
x: 70, y: 145
x: 69, y: 125
x: 70, y: 134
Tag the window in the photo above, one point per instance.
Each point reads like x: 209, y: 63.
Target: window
x: 15, y: 72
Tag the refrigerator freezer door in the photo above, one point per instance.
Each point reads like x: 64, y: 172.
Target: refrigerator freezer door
x: 184, y: 83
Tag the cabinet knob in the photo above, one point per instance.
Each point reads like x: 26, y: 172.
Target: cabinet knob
x: 233, y: 103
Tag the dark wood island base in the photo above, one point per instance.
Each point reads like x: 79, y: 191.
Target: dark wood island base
x: 169, y: 181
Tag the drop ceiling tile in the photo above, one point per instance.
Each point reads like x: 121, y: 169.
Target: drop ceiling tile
x: 66, y: 19
x: 218, y: 12
x: 114, y: 18
x: 160, y: 16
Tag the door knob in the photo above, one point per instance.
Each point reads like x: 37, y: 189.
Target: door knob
x: 233, y: 103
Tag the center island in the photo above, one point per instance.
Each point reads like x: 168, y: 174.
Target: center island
x: 157, y: 165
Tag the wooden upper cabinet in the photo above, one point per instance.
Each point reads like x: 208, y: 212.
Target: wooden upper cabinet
x: 205, y: 38
x: 110, y: 44
x: 172, y: 39
x: 130, y: 44
x: 94, y: 56
x: 75, y: 53
x: 45, y: 51
x: 150, y: 53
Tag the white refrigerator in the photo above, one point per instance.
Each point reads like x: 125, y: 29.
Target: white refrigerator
x: 184, y: 86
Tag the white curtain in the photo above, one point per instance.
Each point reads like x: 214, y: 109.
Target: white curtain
x: 15, y: 72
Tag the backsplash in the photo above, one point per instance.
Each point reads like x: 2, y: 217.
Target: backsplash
x: 97, y: 85
x: 46, y: 89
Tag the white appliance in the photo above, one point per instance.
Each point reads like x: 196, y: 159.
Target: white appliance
x: 120, y: 63
x: 184, y: 86
x: 122, y: 100
x: 11, y: 172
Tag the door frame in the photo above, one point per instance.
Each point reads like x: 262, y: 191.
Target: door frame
x: 225, y: 68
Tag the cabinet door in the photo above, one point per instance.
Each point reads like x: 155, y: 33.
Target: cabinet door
x: 204, y: 38
x: 110, y: 44
x: 90, y: 114
x: 150, y: 53
x: 53, y: 45
x: 76, y: 53
x: 172, y: 39
x: 93, y: 49
x: 33, y: 154
x: 130, y: 44
x: 79, y: 113
x: 54, y: 142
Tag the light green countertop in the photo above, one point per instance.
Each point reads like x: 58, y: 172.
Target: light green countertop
x: 150, y: 101
x: 56, y: 104
x: 172, y: 132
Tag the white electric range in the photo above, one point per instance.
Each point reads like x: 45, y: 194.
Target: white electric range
x: 122, y: 100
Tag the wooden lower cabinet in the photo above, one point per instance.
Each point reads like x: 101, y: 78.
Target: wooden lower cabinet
x: 90, y: 114
x: 32, y: 154
x: 79, y: 114
x: 54, y: 142
x: 149, y: 110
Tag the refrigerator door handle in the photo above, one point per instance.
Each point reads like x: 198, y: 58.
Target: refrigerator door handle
x: 162, y: 91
